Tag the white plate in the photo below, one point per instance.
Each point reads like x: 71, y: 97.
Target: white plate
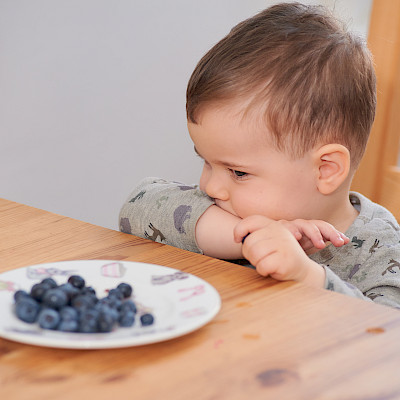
x: 180, y: 302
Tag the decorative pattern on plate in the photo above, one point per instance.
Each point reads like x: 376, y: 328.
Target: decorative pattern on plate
x: 181, y: 302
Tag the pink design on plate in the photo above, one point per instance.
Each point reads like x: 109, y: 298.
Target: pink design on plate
x: 194, y: 312
x: 196, y: 291
x: 8, y: 285
x: 113, y: 270
x: 41, y: 272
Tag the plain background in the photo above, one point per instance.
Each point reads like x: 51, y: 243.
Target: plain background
x: 92, y: 95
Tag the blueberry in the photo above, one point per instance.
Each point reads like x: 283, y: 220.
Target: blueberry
x: 50, y: 282
x: 105, y: 322
x: 38, y: 290
x: 113, y: 302
x: 146, y: 319
x: 115, y: 293
x: 69, y: 313
x: 19, y: 294
x: 105, y: 309
x: 70, y: 290
x: 77, y: 281
x: 82, y: 301
x: 88, y: 290
x: 27, y: 309
x: 48, y: 318
x: 88, y: 320
x: 127, y: 319
x: 129, y: 305
x: 55, y: 298
x: 125, y: 289
x: 70, y: 325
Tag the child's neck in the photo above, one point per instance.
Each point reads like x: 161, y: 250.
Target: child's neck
x: 344, y: 221
x: 340, y: 212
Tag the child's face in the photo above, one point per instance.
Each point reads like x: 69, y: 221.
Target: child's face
x: 245, y: 174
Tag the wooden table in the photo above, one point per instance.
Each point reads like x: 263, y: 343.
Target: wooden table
x: 270, y: 340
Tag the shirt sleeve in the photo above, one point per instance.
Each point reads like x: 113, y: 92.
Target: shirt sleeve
x: 388, y: 295
x: 334, y: 283
x: 165, y: 212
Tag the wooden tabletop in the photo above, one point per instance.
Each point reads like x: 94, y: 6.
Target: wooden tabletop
x: 269, y: 341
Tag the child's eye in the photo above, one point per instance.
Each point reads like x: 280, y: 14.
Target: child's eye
x: 238, y: 174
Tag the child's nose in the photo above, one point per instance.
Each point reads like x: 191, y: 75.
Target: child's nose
x: 215, y: 188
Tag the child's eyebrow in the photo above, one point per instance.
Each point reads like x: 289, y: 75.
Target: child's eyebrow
x: 226, y: 163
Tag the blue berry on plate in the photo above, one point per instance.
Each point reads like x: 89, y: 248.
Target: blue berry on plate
x: 83, y: 301
x: 88, y: 320
x: 105, y: 322
x: 115, y: 293
x: 70, y: 325
x: 127, y: 318
x: 125, y: 289
x: 113, y: 302
x: 19, y: 294
x: 77, y: 281
x: 146, y: 319
x: 55, y: 298
x: 48, y: 318
x: 70, y: 290
x: 38, y: 290
x: 128, y: 305
x: 50, y: 282
x: 27, y: 309
x: 88, y: 290
x: 103, y: 308
x: 69, y: 313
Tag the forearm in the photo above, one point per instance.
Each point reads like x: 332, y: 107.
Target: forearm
x: 214, y: 234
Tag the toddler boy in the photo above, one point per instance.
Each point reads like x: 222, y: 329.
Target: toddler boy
x: 280, y: 111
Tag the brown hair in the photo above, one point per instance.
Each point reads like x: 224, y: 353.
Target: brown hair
x: 312, y: 80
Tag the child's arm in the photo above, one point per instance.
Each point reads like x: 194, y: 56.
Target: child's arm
x: 215, y: 233
x: 183, y: 216
x: 166, y: 212
x: 179, y: 215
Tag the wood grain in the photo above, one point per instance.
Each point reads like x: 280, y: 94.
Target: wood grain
x: 270, y: 340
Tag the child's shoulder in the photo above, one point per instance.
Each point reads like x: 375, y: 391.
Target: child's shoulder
x: 373, y: 217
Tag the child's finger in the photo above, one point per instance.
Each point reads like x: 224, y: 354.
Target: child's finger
x: 331, y: 234
x: 313, y: 233
x: 249, y: 225
x: 294, y: 229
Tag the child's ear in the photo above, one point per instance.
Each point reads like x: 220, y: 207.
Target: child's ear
x: 332, y: 166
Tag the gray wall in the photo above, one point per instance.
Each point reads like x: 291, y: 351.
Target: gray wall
x: 92, y: 95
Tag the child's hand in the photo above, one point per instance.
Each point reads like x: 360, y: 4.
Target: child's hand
x: 312, y: 233
x: 309, y: 233
x: 273, y: 247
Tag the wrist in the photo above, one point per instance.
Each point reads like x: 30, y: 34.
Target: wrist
x: 314, y: 275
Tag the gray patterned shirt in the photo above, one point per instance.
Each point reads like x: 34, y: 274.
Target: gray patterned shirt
x: 368, y: 267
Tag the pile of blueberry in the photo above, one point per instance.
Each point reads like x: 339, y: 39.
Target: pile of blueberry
x: 75, y: 307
